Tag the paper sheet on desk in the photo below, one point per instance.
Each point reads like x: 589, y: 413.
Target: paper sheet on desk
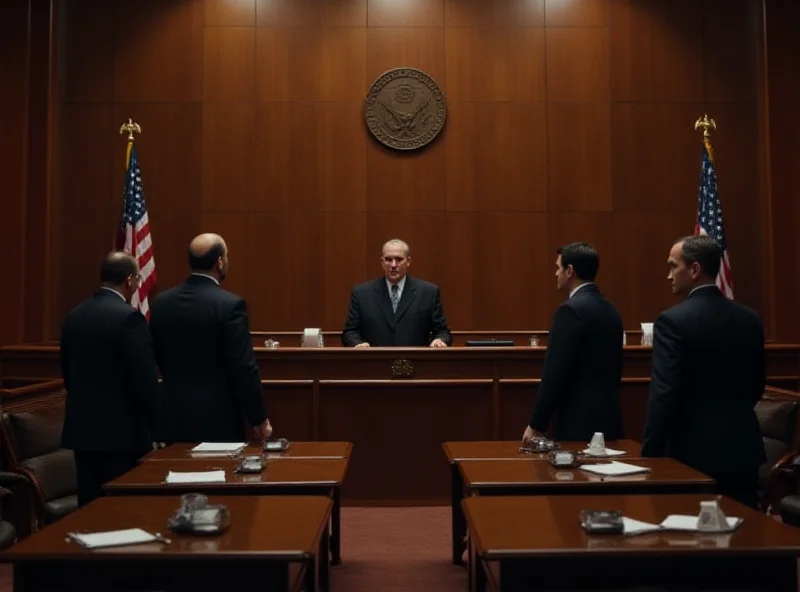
x: 689, y: 523
x: 615, y: 468
x: 631, y: 526
x: 196, y: 477
x: 608, y: 452
x: 113, y: 538
x: 219, y: 447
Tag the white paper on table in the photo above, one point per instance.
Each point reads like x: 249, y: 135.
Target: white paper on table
x: 196, y: 477
x: 221, y: 447
x: 608, y: 452
x: 615, y: 468
x: 631, y: 526
x: 689, y: 523
x: 113, y: 538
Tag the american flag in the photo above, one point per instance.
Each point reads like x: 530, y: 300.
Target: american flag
x: 134, y: 233
x: 709, y: 217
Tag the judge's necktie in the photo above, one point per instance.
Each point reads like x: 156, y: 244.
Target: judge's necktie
x: 395, y: 297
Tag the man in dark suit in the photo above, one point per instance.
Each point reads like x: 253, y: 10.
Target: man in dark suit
x: 203, y: 347
x: 396, y: 310
x: 708, y: 373
x: 583, y: 366
x: 111, y: 380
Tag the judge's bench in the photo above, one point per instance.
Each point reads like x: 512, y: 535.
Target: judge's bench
x: 397, y: 405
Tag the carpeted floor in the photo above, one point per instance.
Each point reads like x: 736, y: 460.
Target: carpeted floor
x: 397, y: 549
x: 386, y: 549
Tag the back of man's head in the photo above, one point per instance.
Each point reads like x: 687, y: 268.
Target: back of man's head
x: 116, y: 268
x: 703, y: 250
x: 205, y: 251
x: 583, y: 258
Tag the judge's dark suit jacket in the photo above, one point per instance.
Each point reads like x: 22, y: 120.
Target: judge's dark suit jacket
x: 418, y: 321
x: 110, y: 376
x: 708, y: 373
x: 582, y: 370
x: 203, y: 346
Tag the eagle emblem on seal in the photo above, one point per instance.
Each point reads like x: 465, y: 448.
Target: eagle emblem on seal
x: 405, y: 109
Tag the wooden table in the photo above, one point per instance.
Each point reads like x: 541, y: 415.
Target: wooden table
x: 499, y: 450
x: 298, y: 477
x: 273, y: 541
x: 304, y: 450
x: 517, y: 543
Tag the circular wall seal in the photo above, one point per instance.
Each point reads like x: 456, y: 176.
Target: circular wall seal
x: 405, y: 109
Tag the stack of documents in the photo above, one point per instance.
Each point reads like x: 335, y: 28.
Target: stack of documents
x: 196, y: 477
x: 615, y: 469
x: 675, y: 522
x: 112, y: 538
x: 218, y: 448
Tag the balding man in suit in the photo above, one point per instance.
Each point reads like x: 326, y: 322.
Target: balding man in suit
x: 396, y: 309
x: 111, y: 380
x: 201, y: 333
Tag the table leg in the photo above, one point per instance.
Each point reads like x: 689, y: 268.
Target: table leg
x: 458, y: 523
x: 336, y: 527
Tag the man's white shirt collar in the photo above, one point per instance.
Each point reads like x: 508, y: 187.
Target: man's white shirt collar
x: 114, y: 291
x: 205, y: 275
x: 571, y: 294
x: 400, y: 286
x: 701, y: 287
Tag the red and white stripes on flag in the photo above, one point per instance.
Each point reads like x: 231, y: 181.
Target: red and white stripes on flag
x: 134, y: 232
x: 709, y: 217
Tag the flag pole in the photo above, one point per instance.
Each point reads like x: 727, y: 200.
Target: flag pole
x: 706, y: 123
x: 129, y: 128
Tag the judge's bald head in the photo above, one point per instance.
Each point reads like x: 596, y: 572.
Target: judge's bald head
x: 208, y: 254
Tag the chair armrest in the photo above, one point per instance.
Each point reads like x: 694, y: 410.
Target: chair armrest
x: 783, y: 479
x: 17, y: 504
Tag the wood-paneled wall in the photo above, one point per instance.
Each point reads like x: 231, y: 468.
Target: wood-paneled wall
x: 566, y: 121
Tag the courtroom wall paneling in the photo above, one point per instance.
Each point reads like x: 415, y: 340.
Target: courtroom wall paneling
x: 579, y: 156
x: 503, y: 13
x: 229, y: 57
x: 88, y: 62
x: 158, y: 51
x: 783, y: 57
x: 496, y: 162
x: 90, y: 204
x: 577, y: 64
x: 411, y: 13
x: 497, y: 265
x: 566, y: 121
x: 656, y: 52
x: 307, y: 13
x: 13, y: 98
x: 588, y: 13
x: 222, y: 13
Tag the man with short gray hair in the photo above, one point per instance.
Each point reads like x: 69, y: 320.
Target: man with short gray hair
x: 396, y: 309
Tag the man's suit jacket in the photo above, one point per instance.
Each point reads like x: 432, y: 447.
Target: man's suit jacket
x: 708, y: 373
x: 203, y: 346
x: 582, y: 370
x: 418, y: 321
x: 110, y: 376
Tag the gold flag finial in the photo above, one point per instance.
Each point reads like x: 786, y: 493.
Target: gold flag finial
x: 130, y: 127
x: 705, y: 123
